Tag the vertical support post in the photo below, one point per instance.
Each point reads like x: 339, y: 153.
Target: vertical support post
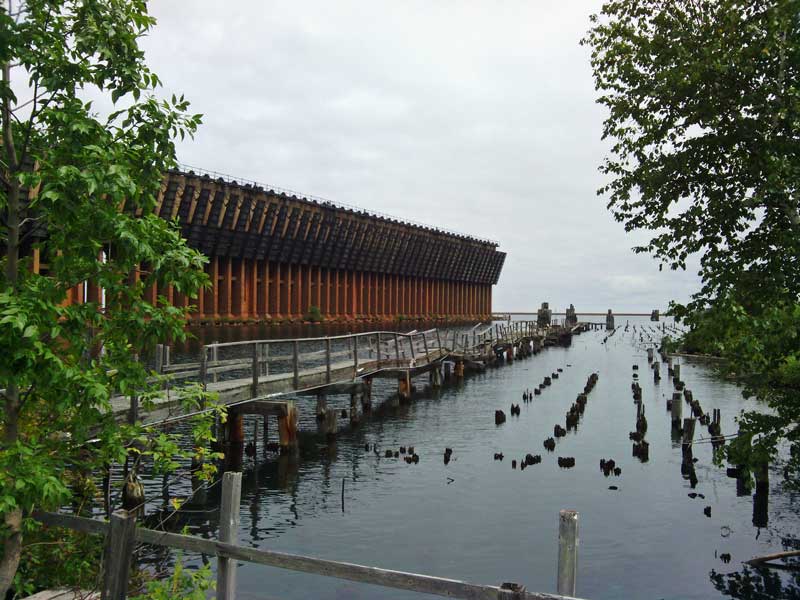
x: 355, y: 356
x: 327, y: 360
x: 425, y: 343
x: 295, y: 364
x: 117, y: 555
x: 397, y: 347
x: 439, y: 341
x: 214, y: 359
x: 204, y: 368
x: 256, y: 370
x: 159, y: 358
x: 567, y: 552
x: 411, y: 343
x: 379, y: 350
x: 228, y: 530
x: 265, y: 435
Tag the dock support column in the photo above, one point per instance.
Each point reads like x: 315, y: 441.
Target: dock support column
x: 436, y: 378
x: 366, y: 395
x: 459, y: 370
x: 234, y: 441
x: 287, y: 429
x: 404, y: 387
x: 330, y: 424
x: 322, y: 406
x: 354, y: 417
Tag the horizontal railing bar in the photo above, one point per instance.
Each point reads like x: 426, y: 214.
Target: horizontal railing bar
x: 318, y: 339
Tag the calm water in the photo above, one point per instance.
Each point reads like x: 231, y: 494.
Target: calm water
x: 478, y: 519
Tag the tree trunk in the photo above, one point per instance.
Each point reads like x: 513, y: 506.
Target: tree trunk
x: 12, y: 545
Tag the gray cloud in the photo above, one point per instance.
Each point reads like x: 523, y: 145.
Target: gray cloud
x: 475, y: 116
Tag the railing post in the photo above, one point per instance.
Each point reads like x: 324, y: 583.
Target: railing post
x: 256, y: 369
x: 117, y: 555
x: 295, y: 364
x: 425, y: 343
x: 411, y: 343
x: 159, y: 358
x: 266, y: 359
x: 327, y: 360
x: 355, y: 355
x: 228, y: 532
x: 214, y: 359
x: 439, y: 341
x: 133, y: 414
x: 567, y: 551
x: 204, y: 368
x: 379, y: 350
x: 397, y: 347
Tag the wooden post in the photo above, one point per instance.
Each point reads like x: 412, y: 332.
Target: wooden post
x: 567, y: 551
x: 411, y: 343
x: 397, y: 347
x: 133, y: 414
x: 439, y: 341
x: 256, y: 369
x: 677, y: 411
x: 379, y: 350
x: 228, y: 533
x: 295, y: 365
x: 688, y: 433
x: 265, y: 435
x: 425, y: 343
x: 327, y: 360
x: 159, y: 358
x: 355, y: 356
x: 204, y: 368
x: 214, y: 359
x: 117, y: 555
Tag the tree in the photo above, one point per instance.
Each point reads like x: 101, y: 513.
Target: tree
x: 77, y: 192
x: 704, y: 108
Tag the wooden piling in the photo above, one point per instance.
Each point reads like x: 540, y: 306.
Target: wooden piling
x: 287, y: 428
x: 228, y: 533
x: 330, y: 424
x: 354, y: 408
x: 567, y: 552
x: 677, y: 411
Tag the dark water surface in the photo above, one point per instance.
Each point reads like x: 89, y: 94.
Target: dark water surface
x: 479, y: 520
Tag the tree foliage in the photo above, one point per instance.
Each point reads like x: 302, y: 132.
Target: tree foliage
x: 704, y: 123
x: 78, y: 188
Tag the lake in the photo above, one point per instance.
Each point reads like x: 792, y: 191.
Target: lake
x: 480, y: 520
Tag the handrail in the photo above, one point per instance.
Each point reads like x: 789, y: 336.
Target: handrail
x: 316, y: 339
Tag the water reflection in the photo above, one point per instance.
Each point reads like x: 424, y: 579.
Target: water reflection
x: 757, y: 584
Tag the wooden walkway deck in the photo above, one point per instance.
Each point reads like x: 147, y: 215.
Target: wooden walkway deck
x: 241, y: 372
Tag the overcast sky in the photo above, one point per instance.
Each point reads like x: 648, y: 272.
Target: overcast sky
x: 473, y: 116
